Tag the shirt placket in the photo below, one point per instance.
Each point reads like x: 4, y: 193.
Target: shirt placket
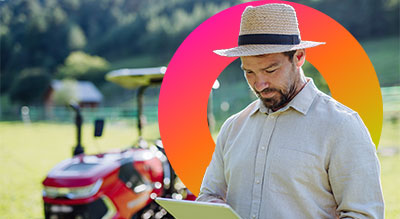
x: 260, y: 164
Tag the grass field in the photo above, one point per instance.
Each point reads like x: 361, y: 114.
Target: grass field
x: 390, y: 141
x: 390, y: 168
x: 29, y: 151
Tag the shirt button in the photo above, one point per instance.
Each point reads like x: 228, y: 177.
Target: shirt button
x: 254, y: 216
x: 258, y: 181
x: 262, y: 148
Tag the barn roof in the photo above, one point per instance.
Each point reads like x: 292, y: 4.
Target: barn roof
x: 86, y: 91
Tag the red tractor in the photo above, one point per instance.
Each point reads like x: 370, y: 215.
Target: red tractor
x: 117, y: 184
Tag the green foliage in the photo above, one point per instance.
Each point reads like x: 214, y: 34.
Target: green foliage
x: 67, y: 93
x: 311, y: 71
x: 76, y: 38
x: 82, y: 66
x: 363, y: 18
x: 35, y: 35
x: 384, y: 54
x: 43, y: 33
x: 30, y: 86
x: 7, y: 110
x: 139, y: 61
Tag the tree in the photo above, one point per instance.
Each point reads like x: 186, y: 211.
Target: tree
x: 82, y: 66
x: 30, y: 86
x: 76, y: 38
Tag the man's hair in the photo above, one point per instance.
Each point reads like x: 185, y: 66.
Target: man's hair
x: 290, y: 54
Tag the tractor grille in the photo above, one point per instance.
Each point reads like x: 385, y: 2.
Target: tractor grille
x: 94, y: 210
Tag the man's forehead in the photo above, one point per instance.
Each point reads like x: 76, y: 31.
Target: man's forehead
x: 264, y: 61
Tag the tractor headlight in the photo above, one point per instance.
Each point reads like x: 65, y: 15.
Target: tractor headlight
x: 74, y: 192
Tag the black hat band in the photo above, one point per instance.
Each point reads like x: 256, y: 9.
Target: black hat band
x: 278, y: 39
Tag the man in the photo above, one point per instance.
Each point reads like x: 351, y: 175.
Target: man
x: 295, y: 152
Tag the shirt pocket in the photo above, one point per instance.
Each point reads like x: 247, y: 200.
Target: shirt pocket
x: 291, y: 171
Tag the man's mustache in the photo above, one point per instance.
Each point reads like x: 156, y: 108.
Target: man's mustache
x: 267, y: 90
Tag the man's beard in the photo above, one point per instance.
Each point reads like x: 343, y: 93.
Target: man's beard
x: 279, y: 100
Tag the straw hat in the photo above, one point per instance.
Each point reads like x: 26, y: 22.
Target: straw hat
x: 269, y: 28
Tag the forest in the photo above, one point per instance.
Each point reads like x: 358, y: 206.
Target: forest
x: 42, y: 40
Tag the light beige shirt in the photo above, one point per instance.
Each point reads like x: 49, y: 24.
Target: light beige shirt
x: 313, y: 158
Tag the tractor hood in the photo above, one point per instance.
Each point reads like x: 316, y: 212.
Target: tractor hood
x: 84, y: 170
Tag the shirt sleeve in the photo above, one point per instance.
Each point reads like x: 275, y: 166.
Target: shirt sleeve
x: 214, y: 184
x: 354, y: 172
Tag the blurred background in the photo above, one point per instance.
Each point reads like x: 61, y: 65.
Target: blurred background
x: 57, y: 51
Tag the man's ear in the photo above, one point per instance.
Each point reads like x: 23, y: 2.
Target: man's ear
x: 299, y: 57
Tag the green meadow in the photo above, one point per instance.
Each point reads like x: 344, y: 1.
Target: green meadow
x: 29, y: 151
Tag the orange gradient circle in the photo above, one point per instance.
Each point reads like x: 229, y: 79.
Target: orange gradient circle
x: 194, y: 68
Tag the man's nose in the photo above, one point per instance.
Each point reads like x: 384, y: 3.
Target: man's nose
x: 260, y: 84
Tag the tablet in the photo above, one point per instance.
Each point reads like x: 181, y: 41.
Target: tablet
x: 182, y: 209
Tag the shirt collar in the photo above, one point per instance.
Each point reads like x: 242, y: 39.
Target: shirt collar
x: 301, y: 102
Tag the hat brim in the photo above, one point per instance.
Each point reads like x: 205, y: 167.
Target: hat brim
x: 260, y: 49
